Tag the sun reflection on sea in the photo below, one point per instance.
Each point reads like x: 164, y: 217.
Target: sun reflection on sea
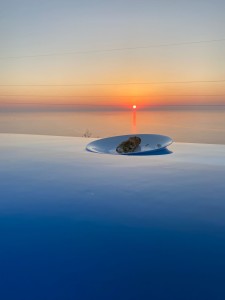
x: 134, y: 122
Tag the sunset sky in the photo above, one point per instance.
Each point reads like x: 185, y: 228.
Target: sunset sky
x: 125, y: 52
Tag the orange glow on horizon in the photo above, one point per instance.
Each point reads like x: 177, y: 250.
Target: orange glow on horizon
x: 120, y: 96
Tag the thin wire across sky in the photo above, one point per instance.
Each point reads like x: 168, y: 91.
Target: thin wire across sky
x: 115, y: 49
x: 114, y: 83
x: 122, y: 83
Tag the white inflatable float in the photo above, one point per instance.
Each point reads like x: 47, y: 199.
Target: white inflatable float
x: 149, y: 143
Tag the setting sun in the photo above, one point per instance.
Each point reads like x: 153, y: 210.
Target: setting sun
x: 134, y: 106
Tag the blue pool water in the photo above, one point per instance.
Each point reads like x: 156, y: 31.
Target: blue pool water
x: 59, y: 256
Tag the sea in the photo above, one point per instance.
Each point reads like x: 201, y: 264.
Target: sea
x: 205, y: 124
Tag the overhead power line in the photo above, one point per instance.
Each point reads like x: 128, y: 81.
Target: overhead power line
x: 124, y: 83
x: 59, y: 104
x: 116, y: 96
x: 98, y: 104
x: 115, y: 49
